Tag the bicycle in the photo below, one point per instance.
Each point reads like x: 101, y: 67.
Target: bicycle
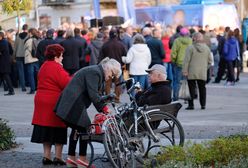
x: 125, y: 141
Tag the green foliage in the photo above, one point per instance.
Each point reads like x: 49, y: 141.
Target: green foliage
x: 10, y: 6
x: 172, y: 153
x: 226, y: 152
x: 7, y: 137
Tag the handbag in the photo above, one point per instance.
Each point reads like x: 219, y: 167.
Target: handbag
x: 125, y: 73
x: 184, y: 91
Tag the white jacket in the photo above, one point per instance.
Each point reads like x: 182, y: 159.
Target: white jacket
x: 139, y: 57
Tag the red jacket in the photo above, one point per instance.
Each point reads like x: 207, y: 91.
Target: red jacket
x: 52, y: 79
x: 165, y: 41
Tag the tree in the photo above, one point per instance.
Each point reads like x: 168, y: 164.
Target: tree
x: 10, y: 6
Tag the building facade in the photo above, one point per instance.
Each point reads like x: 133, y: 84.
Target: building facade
x: 54, y: 13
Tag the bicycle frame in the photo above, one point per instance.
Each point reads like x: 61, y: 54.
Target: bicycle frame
x: 136, y: 110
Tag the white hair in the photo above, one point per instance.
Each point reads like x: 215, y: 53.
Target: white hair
x: 146, y: 31
x: 160, y: 76
x: 111, y: 64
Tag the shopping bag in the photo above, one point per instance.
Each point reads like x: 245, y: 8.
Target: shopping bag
x: 184, y: 90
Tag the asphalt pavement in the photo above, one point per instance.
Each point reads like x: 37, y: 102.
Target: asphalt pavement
x: 226, y: 113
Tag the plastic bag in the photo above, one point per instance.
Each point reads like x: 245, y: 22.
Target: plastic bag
x: 184, y: 90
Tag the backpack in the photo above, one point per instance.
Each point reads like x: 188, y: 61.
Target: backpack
x: 35, y: 43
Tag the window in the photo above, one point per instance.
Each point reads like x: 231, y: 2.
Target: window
x: 45, y: 22
x: 65, y: 19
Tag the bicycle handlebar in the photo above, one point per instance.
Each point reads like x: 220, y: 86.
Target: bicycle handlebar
x: 108, y: 97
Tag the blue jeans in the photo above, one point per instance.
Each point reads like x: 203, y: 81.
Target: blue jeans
x: 177, y: 76
x: 20, y: 68
x: 33, y: 69
x: 142, y: 79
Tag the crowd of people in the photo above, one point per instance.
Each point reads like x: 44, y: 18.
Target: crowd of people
x: 81, y: 65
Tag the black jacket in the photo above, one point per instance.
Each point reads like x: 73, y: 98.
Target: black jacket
x: 6, y: 51
x: 113, y: 48
x: 157, y: 51
x: 41, y: 48
x: 221, y: 41
x: 72, y: 54
x: 83, y: 44
x: 159, y: 93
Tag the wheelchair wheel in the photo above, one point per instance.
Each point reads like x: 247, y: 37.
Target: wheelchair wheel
x: 116, y: 144
x: 165, y: 126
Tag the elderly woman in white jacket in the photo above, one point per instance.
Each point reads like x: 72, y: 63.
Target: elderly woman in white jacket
x: 139, y: 58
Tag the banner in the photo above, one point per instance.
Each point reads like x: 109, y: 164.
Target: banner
x: 206, y: 2
x: 97, y: 9
x: 190, y: 15
x: 173, y: 15
x: 126, y: 9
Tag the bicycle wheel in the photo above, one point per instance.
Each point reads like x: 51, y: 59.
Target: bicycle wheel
x: 116, y: 144
x: 165, y: 126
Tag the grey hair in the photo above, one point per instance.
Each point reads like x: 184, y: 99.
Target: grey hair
x: 197, y: 37
x: 104, y: 60
x: 111, y: 64
x: 69, y: 33
x: 138, y: 39
x: 146, y: 31
x: 161, y: 76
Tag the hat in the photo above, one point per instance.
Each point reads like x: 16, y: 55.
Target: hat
x: 49, y: 33
x: 157, y: 67
x: 184, y: 31
x: 99, y: 36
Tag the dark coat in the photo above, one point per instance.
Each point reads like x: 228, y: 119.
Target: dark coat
x: 172, y: 39
x: 83, y: 44
x: 221, y: 41
x: 127, y: 41
x: 41, y: 48
x: 59, y: 39
x: 157, y: 51
x: 158, y: 93
x: 113, y: 48
x: 72, y: 54
x: 5, y: 56
x: 82, y: 90
x: 94, y: 49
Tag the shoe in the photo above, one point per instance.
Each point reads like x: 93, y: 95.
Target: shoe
x: 229, y: 83
x: 24, y: 89
x: 216, y: 82
x: 57, y: 161
x: 237, y: 80
x: 46, y: 161
x: 71, y: 163
x: 9, y: 94
x: 31, y: 92
x: 82, y: 164
x: 189, y: 108
x: 203, y: 107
